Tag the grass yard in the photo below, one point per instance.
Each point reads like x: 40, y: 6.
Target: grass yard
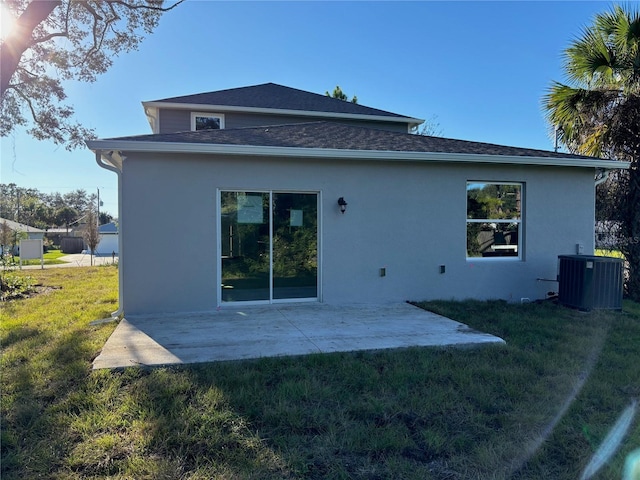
x: 49, y: 258
x: 537, y: 408
x: 608, y: 253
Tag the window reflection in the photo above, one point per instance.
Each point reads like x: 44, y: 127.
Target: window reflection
x: 494, y: 216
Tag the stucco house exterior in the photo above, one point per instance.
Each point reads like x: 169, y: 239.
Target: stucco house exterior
x: 282, y: 195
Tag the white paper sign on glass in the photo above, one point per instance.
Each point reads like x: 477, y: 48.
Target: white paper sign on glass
x: 296, y: 218
x: 250, y: 209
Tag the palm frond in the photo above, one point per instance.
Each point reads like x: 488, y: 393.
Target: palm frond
x: 589, y: 57
x: 596, y: 111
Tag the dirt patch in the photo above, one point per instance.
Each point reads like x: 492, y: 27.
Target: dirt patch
x: 33, y: 292
x: 44, y: 290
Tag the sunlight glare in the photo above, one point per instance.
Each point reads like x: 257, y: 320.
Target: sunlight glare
x: 611, y: 443
x: 7, y: 21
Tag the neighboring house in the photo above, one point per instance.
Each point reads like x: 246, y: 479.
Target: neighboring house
x: 69, y: 238
x: 281, y: 195
x: 21, y: 231
x: 70, y: 241
x: 56, y: 234
x: 108, y: 244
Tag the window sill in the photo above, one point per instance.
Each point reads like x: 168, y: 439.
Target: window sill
x: 495, y: 259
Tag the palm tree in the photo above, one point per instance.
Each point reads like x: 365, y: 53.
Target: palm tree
x: 598, y: 113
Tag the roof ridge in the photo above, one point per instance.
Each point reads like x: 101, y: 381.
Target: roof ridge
x: 274, y: 96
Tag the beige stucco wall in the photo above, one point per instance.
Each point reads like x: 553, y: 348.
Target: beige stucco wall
x: 406, y: 217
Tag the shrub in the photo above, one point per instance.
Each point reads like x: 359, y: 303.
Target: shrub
x: 14, y: 285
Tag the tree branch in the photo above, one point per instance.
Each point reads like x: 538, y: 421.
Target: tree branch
x: 96, y: 20
x: 146, y: 7
x: 91, y: 10
x: 29, y: 104
x: 92, y: 29
x: 15, y: 45
x: 48, y: 37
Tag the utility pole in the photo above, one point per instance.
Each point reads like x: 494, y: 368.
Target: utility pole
x: 557, y: 131
x: 98, y: 215
x: 98, y: 209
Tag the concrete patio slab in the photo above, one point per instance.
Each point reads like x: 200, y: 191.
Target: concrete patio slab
x: 244, y: 332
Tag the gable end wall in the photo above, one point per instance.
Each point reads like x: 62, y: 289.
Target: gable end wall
x: 172, y: 121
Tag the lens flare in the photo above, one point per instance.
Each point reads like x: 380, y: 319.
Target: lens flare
x: 7, y: 22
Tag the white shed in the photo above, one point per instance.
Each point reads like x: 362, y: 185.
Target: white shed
x: 108, y: 244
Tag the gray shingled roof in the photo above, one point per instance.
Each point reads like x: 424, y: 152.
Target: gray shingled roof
x: 329, y: 135
x: 279, y: 97
x: 108, y: 228
x: 20, y: 227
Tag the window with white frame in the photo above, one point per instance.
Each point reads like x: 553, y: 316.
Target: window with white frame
x: 494, y: 219
x: 207, y: 121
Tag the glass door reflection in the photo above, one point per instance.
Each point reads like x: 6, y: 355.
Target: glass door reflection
x: 295, y: 245
x: 245, y: 246
x: 269, y: 246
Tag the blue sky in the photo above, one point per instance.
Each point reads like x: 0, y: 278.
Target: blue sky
x: 477, y: 69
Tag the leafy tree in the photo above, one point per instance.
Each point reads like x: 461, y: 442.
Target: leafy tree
x: 91, y: 234
x: 66, y: 216
x: 58, y: 40
x: 32, y: 207
x: 340, y: 95
x: 54, y: 200
x: 79, y: 200
x: 12, y: 198
x: 6, y: 238
x: 104, y: 218
x: 9, y: 239
x: 598, y: 113
x: 33, y: 212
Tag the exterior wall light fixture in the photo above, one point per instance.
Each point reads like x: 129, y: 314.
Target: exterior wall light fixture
x: 342, y: 204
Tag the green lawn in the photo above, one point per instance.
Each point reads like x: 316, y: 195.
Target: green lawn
x: 538, y: 407
x: 609, y: 253
x: 50, y: 258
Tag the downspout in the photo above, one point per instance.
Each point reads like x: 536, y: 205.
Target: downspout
x: 603, y: 176
x: 108, y: 155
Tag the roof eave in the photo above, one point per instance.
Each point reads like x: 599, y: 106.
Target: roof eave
x: 278, y: 111
x: 381, y: 155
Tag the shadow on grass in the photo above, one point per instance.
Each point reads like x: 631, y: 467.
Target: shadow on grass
x: 40, y: 377
x: 61, y: 420
x: 417, y: 413
x: 18, y: 335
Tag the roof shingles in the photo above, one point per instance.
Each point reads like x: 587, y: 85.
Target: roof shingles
x: 329, y: 135
x: 277, y: 97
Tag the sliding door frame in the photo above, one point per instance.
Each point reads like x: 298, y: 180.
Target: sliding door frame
x: 271, y: 300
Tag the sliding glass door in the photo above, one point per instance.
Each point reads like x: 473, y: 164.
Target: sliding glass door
x: 269, y: 246
x: 295, y: 245
x: 245, y: 246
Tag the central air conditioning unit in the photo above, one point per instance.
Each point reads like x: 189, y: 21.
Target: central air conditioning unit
x: 588, y: 282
